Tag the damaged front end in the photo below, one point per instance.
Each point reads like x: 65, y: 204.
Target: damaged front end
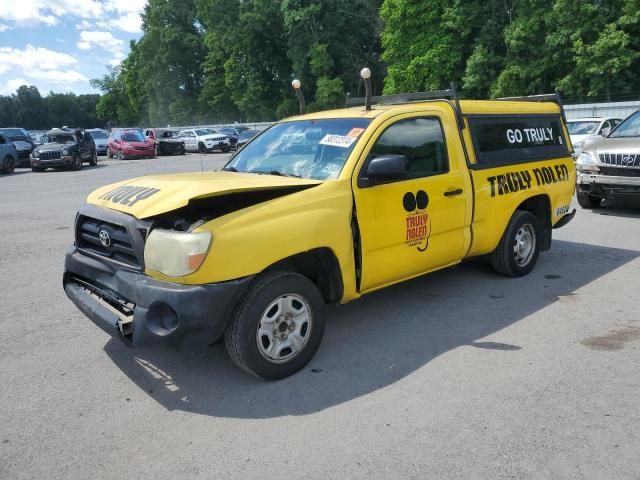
x: 117, y: 246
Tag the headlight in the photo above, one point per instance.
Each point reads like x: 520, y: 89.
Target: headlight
x: 176, y: 254
x: 586, y: 163
x: 65, y: 152
x: 35, y: 154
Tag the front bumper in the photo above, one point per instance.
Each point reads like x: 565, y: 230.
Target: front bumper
x: 145, y: 311
x: 604, y: 186
x: 101, y: 150
x: 52, y: 163
x: 217, y: 145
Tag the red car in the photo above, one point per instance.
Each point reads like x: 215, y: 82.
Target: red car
x: 130, y: 144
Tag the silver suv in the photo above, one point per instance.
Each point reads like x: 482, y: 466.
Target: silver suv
x: 609, y: 167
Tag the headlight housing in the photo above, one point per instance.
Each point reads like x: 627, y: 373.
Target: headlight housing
x: 35, y: 154
x: 65, y: 152
x: 176, y: 254
x: 586, y: 163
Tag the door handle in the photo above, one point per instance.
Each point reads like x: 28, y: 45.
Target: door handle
x: 452, y: 193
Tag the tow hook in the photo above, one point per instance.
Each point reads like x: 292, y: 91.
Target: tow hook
x: 125, y: 325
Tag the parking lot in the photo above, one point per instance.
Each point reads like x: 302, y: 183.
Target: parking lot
x: 458, y: 374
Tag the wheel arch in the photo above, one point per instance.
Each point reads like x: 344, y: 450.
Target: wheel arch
x: 319, y: 265
x: 540, y: 206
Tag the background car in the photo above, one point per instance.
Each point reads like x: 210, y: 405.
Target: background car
x: 203, y: 140
x: 100, y: 138
x: 125, y: 144
x: 64, y: 148
x: 8, y: 155
x: 245, y: 136
x: 233, y: 135
x: 166, y: 141
x: 582, y: 128
x: 21, y: 139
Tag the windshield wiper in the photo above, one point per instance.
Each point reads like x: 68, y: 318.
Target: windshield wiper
x: 278, y: 173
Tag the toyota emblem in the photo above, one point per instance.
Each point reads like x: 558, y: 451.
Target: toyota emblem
x: 105, y: 238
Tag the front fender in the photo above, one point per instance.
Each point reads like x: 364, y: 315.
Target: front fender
x: 248, y: 241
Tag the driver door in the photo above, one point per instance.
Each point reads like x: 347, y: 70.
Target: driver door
x: 419, y: 223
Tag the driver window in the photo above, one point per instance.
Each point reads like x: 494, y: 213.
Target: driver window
x: 421, y: 140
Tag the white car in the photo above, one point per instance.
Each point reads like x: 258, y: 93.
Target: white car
x: 582, y: 128
x: 204, y: 140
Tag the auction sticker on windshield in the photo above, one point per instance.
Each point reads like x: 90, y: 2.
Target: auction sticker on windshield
x: 343, y: 141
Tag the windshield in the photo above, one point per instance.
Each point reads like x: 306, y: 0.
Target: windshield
x: 247, y: 134
x: 62, y: 139
x: 166, y: 134
x: 132, y: 137
x: 582, y: 128
x: 204, y: 131
x: 314, y: 149
x: 15, y: 132
x: 630, y: 127
x: 99, y: 135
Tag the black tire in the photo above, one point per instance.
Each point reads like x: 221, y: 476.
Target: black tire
x: 241, y: 334
x: 119, y: 155
x: 109, y: 153
x: 226, y: 150
x: 37, y: 169
x: 76, y: 162
x: 183, y: 150
x: 585, y: 200
x: 505, y: 259
x: 8, y: 164
x: 202, y: 148
x: 93, y: 161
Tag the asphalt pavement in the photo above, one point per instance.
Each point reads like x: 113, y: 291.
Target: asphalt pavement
x: 458, y: 374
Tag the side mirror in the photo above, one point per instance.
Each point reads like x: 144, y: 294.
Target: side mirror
x: 605, y: 131
x: 388, y: 168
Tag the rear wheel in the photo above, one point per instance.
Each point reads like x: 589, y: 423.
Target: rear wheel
x: 518, y: 250
x: 8, y: 164
x: 277, y: 327
x: 183, y: 150
x: 585, y: 200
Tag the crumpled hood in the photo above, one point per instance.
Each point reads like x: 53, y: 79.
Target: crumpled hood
x: 53, y: 147
x: 146, y: 197
x: 598, y: 145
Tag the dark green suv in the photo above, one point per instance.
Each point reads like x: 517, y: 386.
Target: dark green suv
x: 66, y: 148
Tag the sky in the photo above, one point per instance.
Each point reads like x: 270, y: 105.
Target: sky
x: 59, y: 45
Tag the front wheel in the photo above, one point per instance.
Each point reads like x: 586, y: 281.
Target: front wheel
x: 109, y: 153
x: 518, y: 250
x: 93, y: 161
x: 8, y: 165
x: 202, y: 148
x: 586, y: 200
x: 76, y: 163
x: 226, y: 149
x: 278, y: 325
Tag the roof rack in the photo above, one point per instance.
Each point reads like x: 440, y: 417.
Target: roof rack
x: 545, y: 97
x: 448, y: 94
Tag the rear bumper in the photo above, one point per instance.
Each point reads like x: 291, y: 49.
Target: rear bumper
x: 148, y: 312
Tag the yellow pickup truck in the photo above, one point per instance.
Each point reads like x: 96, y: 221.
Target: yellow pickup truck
x: 321, y: 209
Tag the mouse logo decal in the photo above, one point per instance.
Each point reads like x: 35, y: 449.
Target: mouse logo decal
x: 417, y: 221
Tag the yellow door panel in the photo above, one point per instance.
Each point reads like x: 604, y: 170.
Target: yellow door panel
x: 421, y: 223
